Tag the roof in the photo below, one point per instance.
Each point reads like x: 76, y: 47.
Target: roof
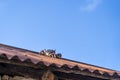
x: 11, y: 53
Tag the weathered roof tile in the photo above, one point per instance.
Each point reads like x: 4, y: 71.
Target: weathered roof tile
x: 31, y: 57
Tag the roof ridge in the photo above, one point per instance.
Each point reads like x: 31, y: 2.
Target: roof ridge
x: 61, y: 58
x: 18, y: 48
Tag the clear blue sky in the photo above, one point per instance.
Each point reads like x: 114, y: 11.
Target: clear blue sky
x: 82, y: 30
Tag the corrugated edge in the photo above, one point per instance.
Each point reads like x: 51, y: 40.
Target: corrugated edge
x: 32, y: 57
x: 65, y: 66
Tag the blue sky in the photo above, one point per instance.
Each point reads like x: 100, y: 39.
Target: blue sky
x: 82, y: 30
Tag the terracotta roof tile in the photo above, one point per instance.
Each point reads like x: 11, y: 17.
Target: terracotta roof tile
x: 23, y: 55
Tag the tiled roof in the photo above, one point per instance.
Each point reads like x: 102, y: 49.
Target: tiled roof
x: 22, y: 55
